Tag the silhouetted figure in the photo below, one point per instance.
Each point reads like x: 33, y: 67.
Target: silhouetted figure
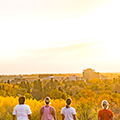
x: 47, y: 112
x: 68, y: 113
x: 105, y: 113
x: 22, y: 111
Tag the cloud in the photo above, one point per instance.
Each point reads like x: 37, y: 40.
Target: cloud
x: 64, y: 58
x: 61, y: 53
x: 50, y: 9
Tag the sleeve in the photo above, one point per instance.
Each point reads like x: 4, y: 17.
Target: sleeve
x: 62, y: 111
x: 74, y: 112
x: 29, y: 111
x: 112, y: 114
x: 14, y: 111
x: 99, y: 114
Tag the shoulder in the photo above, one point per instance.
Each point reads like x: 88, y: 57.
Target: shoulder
x: 41, y: 109
x: 72, y: 108
x: 15, y: 107
x: 109, y: 110
x: 63, y: 108
x: 100, y: 112
x: 52, y: 109
x: 26, y: 105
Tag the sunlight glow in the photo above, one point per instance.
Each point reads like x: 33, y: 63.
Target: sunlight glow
x: 47, y: 33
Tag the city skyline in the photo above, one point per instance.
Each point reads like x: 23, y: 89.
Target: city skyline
x: 61, y: 36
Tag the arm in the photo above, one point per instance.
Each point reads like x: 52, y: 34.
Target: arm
x: 63, y: 117
x: 99, y: 115
x: 74, y: 114
x: 41, y: 113
x: 14, y: 116
x: 112, y: 118
x: 29, y: 117
x: 99, y: 118
x: 29, y: 113
x: 74, y: 117
x: 54, y: 113
x: 14, y: 113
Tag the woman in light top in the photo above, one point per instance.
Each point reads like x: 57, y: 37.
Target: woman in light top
x: 22, y: 111
x: 68, y: 112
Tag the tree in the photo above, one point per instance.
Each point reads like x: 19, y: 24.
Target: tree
x: 55, y: 94
x: 85, y: 110
x: 28, y: 95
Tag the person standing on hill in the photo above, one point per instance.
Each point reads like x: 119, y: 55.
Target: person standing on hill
x: 47, y: 112
x: 105, y: 113
x: 68, y: 113
x: 22, y: 111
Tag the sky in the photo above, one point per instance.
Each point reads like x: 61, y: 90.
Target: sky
x: 59, y: 36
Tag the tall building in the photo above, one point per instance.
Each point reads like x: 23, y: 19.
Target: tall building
x: 87, y: 72
x: 94, y: 75
x: 90, y: 74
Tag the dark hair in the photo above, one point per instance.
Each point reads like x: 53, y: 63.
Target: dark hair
x: 21, y: 100
x: 47, y: 102
x: 68, y: 101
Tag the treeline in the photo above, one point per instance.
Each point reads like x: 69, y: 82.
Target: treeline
x: 86, y: 96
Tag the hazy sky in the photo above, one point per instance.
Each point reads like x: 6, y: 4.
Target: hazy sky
x: 59, y: 36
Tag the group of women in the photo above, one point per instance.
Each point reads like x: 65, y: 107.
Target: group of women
x: 47, y: 112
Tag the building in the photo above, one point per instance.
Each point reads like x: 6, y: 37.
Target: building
x: 103, y: 77
x: 87, y: 72
x: 73, y: 77
x: 78, y: 78
x: 94, y: 75
x: 90, y: 74
x: 41, y: 76
x: 48, y: 78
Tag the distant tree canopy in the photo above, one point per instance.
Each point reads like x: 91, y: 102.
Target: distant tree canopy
x: 86, y: 96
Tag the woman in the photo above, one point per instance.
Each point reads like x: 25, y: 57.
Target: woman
x: 22, y: 111
x: 105, y: 113
x: 47, y: 112
x: 68, y: 112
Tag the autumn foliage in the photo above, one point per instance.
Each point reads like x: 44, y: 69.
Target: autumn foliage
x: 86, y: 97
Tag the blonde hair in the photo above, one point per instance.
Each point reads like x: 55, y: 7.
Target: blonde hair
x: 47, y: 100
x: 104, y: 102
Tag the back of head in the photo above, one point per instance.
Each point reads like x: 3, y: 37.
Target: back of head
x: 21, y: 100
x: 104, y: 104
x: 68, y: 102
x: 47, y: 100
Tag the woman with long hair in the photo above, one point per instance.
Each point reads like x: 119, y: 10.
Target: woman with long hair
x: 68, y: 112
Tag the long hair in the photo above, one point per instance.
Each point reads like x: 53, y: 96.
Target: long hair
x: 68, y: 102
